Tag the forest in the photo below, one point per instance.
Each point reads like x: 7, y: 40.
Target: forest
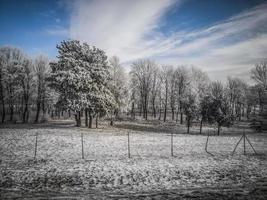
x: 83, y: 84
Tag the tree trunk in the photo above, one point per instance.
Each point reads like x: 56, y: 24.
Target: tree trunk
x: 188, y: 126
x: 160, y: 112
x: 166, y: 102
x: 82, y: 112
x: 86, y: 117
x: 181, y: 113
x: 25, y: 113
x: 76, y: 119
x: 165, y: 113
x: 133, y: 113
x: 201, y: 123
x: 248, y: 111
x: 145, y: 108
x: 37, y: 112
x: 218, y: 130
x: 44, y: 109
x: 96, y: 121
x: 3, y: 110
x: 11, y: 112
x: 154, y: 109
x: 79, y: 119
x: 90, y: 121
x: 172, y: 113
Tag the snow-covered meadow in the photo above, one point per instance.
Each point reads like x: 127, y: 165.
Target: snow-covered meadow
x: 59, y: 165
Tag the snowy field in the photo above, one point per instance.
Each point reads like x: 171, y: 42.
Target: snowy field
x: 107, y: 170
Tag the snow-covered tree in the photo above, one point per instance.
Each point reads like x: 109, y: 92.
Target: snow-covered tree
x: 142, y: 73
x: 25, y: 76
x: 118, y: 84
x: 41, y: 69
x: 190, y: 109
x: 182, y: 81
x: 82, y: 76
x: 220, y: 108
x: 14, y: 58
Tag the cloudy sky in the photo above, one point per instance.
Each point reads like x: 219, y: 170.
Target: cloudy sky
x: 222, y: 37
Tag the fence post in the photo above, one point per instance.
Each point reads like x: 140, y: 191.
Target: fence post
x: 35, y: 149
x: 172, y: 144
x: 82, y: 145
x: 129, y: 152
x: 206, y: 145
x: 244, y: 137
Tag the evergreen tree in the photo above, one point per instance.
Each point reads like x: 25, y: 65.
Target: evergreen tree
x: 81, y: 75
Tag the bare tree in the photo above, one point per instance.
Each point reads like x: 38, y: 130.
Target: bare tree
x: 155, y: 90
x: 199, y: 86
x: 259, y: 74
x: 41, y: 68
x: 172, y: 94
x: 14, y: 58
x: 143, y: 71
x: 167, y: 72
x: 118, y: 84
x: 182, y: 82
x: 236, y: 89
x: 26, y: 78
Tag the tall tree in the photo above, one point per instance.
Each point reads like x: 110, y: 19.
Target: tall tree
x: 190, y: 109
x: 220, y: 108
x: 25, y: 74
x: 182, y: 83
x: 143, y: 71
x: 14, y: 59
x: 167, y: 72
x: 155, y: 90
x: 82, y: 76
x: 41, y: 68
x: 118, y: 83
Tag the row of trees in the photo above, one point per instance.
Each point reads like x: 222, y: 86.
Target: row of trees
x: 22, y: 85
x: 82, y: 81
x: 182, y: 91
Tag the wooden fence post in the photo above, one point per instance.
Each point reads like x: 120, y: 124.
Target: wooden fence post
x: 35, y: 149
x: 82, y: 145
x: 129, y: 152
x: 172, y: 144
x: 244, y: 138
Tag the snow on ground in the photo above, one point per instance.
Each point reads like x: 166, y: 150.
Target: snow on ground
x: 106, y: 166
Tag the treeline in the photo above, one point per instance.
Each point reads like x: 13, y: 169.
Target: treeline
x: 189, y: 95
x: 77, y: 83
x: 23, y: 86
x: 84, y: 83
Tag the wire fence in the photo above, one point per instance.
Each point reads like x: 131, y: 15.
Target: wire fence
x: 75, y: 144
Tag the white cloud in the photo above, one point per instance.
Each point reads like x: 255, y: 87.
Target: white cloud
x: 117, y: 26
x: 128, y: 29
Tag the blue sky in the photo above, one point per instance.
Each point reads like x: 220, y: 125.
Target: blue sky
x: 222, y: 37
